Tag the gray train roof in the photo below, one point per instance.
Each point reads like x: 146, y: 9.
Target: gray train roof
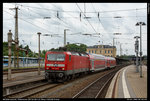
x: 22, y: 57
x: 111, y: 58
x: 96, y: 56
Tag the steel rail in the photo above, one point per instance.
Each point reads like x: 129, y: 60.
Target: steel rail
x: 103, y: 87
x: 28, y: 89
x: 29, y: 95
x: 9, y: 95
x: 91, y: 84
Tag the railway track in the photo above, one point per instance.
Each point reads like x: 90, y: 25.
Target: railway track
x: 21, y: 70
x: 26, y: 93
x: 94, y: 90
x: 98, y: 88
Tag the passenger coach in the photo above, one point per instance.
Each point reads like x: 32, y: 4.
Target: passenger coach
x: 97, y: 62
x: 110, y: 62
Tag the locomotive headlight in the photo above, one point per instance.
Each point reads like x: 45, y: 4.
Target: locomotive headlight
x: 47, y: 68
x: 63, y: 68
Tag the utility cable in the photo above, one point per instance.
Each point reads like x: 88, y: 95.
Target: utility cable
x: 85, y: 16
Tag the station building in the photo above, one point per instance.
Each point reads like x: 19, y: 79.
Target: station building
x: 105, y: 50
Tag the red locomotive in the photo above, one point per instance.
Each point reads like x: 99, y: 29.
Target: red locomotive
x: 66, y: 65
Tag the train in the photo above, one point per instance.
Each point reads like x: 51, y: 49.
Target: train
x: 23, y: 61
x: 62, y: 66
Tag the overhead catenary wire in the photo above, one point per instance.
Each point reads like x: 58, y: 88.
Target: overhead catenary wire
x: 26, y: 21
x: 66, y: 25
x: 68, y: 14
x: 86, y: 19
x: 42, y: 16
x: 101, y: 17
x: 86, y: 12
x: 82, y: 12
x: 98, y: 16
x: 29, y: 22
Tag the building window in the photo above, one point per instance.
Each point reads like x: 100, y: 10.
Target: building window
x: 95, y: 51
x: 105, y: 51
x: 111, y: 51
x: 100, y: 51
x: 89, y: 51
x: 108, y: 51
x: 92, y: 51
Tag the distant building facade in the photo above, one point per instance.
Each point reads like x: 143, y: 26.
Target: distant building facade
x: 105, y: 50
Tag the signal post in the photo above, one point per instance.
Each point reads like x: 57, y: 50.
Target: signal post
x: 137, y: 50
x: 9, y: 54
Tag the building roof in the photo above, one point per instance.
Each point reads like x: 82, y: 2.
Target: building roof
x: 104, y: 46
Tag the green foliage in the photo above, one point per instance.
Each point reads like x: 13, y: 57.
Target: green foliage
x: 5, y: 48
x: 21, y: 53
x: 43, y: 53
x: 82, y: 48
x: 76, y: 48
x: 72, y: 47
x: 128, y: 57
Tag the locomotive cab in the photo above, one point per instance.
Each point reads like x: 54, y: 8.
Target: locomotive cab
x: 55, y: 65
x: 62, y: 66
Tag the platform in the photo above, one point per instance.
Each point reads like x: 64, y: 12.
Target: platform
x: 20, y: 78
x: 127, y: 83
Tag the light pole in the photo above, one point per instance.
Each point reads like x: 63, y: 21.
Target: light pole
x: 116, y: 17
x: 113, y: 41
x: 120, y: 49
x: 137, y: 50
x: 65, y: 37
x: 114, y: 47
x: 140, y: 24
x: 39, y: 54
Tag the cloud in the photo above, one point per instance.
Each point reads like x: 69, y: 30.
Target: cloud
x: 31, y: 20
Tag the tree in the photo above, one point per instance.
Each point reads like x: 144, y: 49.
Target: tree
x: 20, y: 46
x: 53, y: 49
x: 5, y: 48
x: 76, y: 48
x: 21, y: 53
x: 82, y: 48
x: 43, y: 53
x: 72, y: 47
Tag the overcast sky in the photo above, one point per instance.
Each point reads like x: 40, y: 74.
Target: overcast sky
x: 103, y: 18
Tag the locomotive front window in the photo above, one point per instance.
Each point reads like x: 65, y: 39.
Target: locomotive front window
x: 51, y: 57
x: 56, y: 57
x: 60, y: 57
